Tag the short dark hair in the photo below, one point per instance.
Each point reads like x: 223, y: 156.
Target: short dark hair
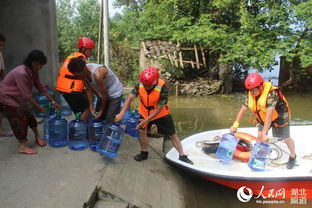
x: 76, y: 65
x: 2, y: 38
x: 35, y: 56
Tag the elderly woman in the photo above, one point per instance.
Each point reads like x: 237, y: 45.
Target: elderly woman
x: 15, y: 95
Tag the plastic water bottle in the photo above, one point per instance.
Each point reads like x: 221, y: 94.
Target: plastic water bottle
x: 227, y: 147
x: 95, y: 102
x: 131, y: 127
x: 110, y: 141
x: 136, y: 114
x: 57, y: 131
x: 44, y: 102
x: 65, y: 108
x: 127, y: 115
x: 95, y: 132
x: 77, y: 134
x: 260, y: 156
x: 51, y: 114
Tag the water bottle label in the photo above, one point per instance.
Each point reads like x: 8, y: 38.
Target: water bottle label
x: 258, y: 164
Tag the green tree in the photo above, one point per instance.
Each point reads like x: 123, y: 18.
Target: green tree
x: 76, y: 19
x: 64, y: 14
x: 245, y: 33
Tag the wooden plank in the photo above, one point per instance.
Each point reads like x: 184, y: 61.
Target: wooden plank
x: 203, y: 55
x: 192, y: 63
x: 196, y: 56
x: 190, y: 49
x: 144, y: 47
x: 170, y: 58
x: 180, y: 56
x: 175, y: 59
x: 187, y: 49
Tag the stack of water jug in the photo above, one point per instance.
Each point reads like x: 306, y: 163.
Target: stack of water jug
x: 77, y: 134
x: 259, y: 157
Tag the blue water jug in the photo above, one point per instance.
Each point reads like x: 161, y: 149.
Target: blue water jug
x: 65, y: 108
x: 77, y: 134
x: 136, y: 114
x: 131, y: 127
x: 49, y: 115
x: 95, y: 132
x: 227, y: 147
x: 44, y: 102
x: 127, y: 115
x: 110, y: 141
x: 57, y: 131
x: 260, y: 156
x: 95, y: 102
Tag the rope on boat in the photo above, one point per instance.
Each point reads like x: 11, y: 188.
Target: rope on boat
x: 279, y: 152
x: 308, y: 157
x: 206, y: 143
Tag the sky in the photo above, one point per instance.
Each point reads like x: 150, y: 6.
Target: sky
x: 112, y: 11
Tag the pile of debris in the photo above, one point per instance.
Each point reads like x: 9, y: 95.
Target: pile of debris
x: 198, y: 87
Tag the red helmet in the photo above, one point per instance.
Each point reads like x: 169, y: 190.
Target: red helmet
x: 253, y: 80
x: 85, y: 42
x: 149, y: 76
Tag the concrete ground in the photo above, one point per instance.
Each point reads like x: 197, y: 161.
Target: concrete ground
x: 62, y: 178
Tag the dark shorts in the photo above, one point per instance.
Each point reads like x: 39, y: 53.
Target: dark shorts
x: 19, y: 119
x: 164, y: 125
x: 77, y: 101
x: 280, y: 132
x: 111, y: 110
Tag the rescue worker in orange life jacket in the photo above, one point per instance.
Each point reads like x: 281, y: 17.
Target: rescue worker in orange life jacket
x: 153, y: 109
x: 271, y: 109
x: 71, y: 86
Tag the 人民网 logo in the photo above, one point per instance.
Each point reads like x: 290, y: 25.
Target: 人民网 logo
x: 242, y: 196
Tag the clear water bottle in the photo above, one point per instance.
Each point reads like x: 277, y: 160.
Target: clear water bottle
x: 65, y: 108
x: 260, y: 156
x: 95, y: 132
x: 77, y: 134
x: 110, y: 141
x: 131, y: 127
x: 49, y: 115
x: 227, y: 147
x: 57, y: 131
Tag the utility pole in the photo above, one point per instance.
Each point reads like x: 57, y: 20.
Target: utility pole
x: 106, y: 34
x: 100, y: 37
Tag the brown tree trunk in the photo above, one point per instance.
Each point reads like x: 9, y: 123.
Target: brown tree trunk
x: 284, y: 73
x: 225, y: 74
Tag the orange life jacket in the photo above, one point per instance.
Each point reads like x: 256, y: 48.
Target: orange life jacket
x: 66, y: 81
x: 258, y: 106
x: 149, y: 101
